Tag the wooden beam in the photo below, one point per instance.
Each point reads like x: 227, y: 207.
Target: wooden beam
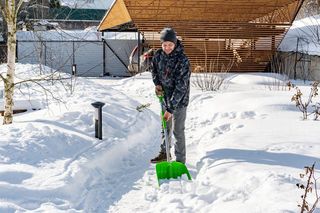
x: 116, y: 15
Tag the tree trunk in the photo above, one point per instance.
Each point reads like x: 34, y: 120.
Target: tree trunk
x: 9, y: 82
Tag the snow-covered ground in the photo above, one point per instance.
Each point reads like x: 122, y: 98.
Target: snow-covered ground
x: 246, y: 146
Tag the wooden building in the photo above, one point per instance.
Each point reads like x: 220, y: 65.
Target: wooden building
x: 239, y: 35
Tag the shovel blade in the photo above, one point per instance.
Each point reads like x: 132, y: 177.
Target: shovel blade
x: 168, y: 170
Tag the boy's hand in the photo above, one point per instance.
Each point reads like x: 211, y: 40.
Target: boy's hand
x: 167, y: 115
x: 158, y: 90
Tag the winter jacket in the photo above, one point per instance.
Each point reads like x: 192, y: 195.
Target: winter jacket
x: 172, y: 72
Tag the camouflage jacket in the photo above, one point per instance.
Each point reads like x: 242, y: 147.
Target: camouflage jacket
x: 172, y: 72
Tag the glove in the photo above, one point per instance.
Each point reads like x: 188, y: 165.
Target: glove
x: 167, y: 116
x: 159, y: 91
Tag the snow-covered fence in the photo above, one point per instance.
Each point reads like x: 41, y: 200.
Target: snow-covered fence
x: 92, y: 56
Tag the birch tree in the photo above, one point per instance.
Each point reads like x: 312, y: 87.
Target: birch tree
x: 9, y: 10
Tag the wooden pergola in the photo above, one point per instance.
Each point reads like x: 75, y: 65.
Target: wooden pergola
x: 239, y: 34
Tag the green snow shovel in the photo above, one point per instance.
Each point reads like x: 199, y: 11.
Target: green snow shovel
x: 167, y: 169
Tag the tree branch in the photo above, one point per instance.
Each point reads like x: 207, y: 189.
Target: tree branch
x: 2, y: 78
x: 40, y: 79
x: 4, y: 10
x: 7, y: 11
x: 19, y: 6
x: 1, y: 9
x: 316, y: 192
x: 46, y: 78
x: 309, y: 170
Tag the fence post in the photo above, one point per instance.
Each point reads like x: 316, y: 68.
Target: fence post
x: 296, y: 60
x: 45, y: 53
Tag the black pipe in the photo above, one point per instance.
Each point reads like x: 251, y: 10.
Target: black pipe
x: 98, y: 119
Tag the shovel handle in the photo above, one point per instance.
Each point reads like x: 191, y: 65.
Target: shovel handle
x: 164, y: 126
x: 164, y: 123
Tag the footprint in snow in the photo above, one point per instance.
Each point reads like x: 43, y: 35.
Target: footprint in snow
x: 248, y: 115
x: 229, y: 115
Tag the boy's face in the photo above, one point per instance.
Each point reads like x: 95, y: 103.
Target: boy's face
x: 167, y: 47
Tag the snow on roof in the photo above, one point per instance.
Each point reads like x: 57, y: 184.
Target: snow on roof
x: 303, y: 36
x: 121, y: 35
x: 87, y: 4
x: 59, y: 35
x: 89, y: 34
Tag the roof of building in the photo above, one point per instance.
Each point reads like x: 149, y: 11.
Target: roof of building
x: 76, y: 14
x: 241, y: 34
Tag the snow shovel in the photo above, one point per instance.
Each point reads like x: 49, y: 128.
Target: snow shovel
x: 168, y: 169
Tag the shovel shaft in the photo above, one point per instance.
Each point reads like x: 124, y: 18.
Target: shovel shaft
x: 167, y: 144
x: 165, y: 130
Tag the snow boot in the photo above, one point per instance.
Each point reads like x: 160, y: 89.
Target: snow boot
x: 161, y: 157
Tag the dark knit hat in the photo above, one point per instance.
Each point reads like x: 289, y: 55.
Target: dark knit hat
x: 168, y: 34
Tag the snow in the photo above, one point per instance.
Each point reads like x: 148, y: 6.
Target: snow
x: 89, y: 34
x: 305, y: 32
x: 60, y: 35
x: 246, y: 146
x: 87, y: 4
x: 121, y: 35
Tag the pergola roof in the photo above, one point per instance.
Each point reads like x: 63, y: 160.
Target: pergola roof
x: 244, y: 33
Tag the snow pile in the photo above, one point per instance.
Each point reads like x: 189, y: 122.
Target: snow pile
x: 50, y: 160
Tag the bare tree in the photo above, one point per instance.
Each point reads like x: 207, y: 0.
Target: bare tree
x: 9, y: 10
x: 309, y: 8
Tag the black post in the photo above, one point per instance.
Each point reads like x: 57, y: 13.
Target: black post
x: 139, y: 50
x: 296, y: 61
x: 98, y: 118
x: 45, y: 53
x: 104, y: 73
x: 104, y: 58
x: 17, y: 44
x: 73, y: 61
